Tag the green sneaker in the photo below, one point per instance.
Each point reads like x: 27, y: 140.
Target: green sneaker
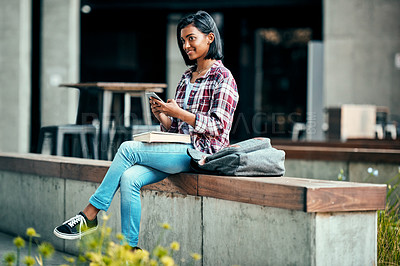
x: 76, y: 227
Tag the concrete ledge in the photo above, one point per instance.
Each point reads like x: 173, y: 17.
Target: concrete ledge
x: 229, y: 220
x: 340, y: 153
x: 281, y: 192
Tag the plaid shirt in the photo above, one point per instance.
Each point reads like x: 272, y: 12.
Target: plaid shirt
x: 213, y: 100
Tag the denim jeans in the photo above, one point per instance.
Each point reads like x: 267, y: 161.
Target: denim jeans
x: 137, y: 164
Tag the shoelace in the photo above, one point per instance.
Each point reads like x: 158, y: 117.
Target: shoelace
x: 77, y: 219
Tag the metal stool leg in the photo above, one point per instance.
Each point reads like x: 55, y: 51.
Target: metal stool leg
x: 391, y: 128
x: 41, y: 140
x: 84, y: 145
x: 297, y: 127
x: 379, y: 131
x: 59, y: 140
x: 95, y: 141
x: 146, y: 109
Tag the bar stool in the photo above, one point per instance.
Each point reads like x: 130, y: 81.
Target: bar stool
x: 297, y: 128
x: 121, y: 134
x: 379, y: 131
x: 58, y: 133
x: 146, y: 112
x: 391, y: 129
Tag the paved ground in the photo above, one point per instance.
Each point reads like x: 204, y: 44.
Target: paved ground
x: 6, y: 245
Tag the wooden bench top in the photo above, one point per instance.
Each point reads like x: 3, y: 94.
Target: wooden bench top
x: 309, y: 195
x: 350, y: 143
x: 118, y: 86
x: 325, y: 153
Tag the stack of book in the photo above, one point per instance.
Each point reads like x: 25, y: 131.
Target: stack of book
x: 159, y: 136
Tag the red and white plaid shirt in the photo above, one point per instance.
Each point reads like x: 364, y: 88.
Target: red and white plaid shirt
x: 213, y: 100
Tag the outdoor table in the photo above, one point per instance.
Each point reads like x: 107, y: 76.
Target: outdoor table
x: 105, y: 92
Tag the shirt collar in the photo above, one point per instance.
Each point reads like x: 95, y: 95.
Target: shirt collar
x: 217, y: 64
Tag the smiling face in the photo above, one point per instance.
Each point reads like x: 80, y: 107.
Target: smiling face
x: 195, y: 43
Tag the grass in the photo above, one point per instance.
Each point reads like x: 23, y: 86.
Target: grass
x: 100, y: 249
x: 389, y: 227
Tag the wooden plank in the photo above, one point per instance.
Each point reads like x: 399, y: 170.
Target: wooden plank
x: 84, y: 172
x: 351, y: 143
x: 253, y: 191
x: 133, y: 89
x: 30, y: 164
x: 184, y: 183
x: 341, y: 154
x: 315, y: 183
x: 118, y: 86
x: 346, y: 199
x: 95, y: 170
x: 115, y: 84
x: 296, y: 193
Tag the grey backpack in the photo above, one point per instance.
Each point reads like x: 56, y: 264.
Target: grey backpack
x: 252, y: 157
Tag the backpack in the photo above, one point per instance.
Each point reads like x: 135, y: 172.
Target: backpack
x: 252, y: 157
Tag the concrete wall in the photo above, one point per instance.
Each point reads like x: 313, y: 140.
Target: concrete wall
x: 361, y: 38
x: 183, y: 213
x: 60, y: 60
x: 353, y: 171
x: 329, y: 170
x: 245, y: 234
x: 339, y: 235
x: 15, y: 79
x: 175, y: 63
x: 224, y: 232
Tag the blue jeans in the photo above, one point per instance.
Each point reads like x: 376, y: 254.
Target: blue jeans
x: 137, y: 164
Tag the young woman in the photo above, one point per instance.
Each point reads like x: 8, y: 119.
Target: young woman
x: 204, y: 104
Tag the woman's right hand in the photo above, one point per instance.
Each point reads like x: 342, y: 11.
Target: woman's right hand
x: 161, y: 117
x: 155, y: 107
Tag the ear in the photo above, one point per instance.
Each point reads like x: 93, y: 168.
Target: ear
x: 210, y: 37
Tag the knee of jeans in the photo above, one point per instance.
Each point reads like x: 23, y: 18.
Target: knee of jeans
x: 137, y: 183
x: 129, y: 181
x: 127, y: 147
x: 124, y: 146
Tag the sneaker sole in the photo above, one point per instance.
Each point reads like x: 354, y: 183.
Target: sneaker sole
x: 74, y: 236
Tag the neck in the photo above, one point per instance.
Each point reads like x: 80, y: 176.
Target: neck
x: 204, y: 64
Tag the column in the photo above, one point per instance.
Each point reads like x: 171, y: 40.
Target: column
x: 60, y: 60
x: 361, y: 38
x: 15, y: 71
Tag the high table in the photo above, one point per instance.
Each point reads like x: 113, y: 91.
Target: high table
x: 105, y: 92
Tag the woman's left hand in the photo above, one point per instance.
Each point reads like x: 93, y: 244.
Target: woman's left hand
x: 170, y: 108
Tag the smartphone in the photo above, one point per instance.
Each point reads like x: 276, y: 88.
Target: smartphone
x: 154, y: 95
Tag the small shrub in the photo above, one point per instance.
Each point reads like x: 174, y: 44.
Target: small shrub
x: 389, y: 226
x: 388, y: 238
x: 100, y: 248
x: 46, y: 251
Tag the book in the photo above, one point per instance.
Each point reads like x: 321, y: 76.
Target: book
x: 159, y: 136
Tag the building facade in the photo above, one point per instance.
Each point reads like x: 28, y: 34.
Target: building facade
x: 266, y: 46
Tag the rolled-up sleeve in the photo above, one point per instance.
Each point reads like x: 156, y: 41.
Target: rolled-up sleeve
x: 173, y: 128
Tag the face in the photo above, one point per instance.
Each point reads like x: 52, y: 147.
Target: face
x: 195, y: 43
